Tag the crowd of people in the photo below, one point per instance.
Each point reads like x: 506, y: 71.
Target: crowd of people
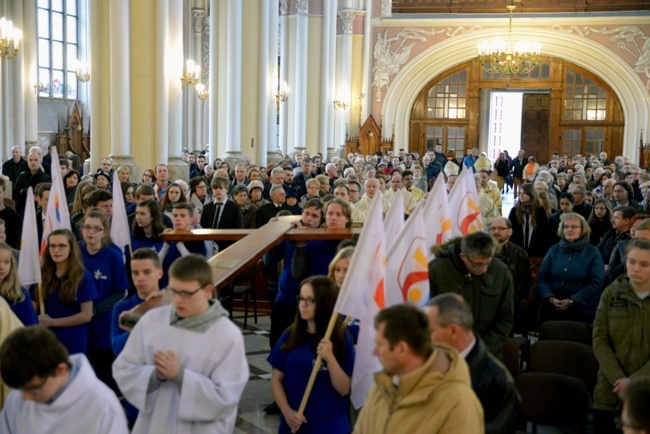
x: 583, y: 219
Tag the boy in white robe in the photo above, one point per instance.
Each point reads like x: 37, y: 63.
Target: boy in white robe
x: 57, y: 394
x: 184, y: 366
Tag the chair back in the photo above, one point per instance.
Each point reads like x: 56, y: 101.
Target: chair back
x: 567, y: 358
x: 552, y: 399
x: 511, y: 356
x: 566, y: 331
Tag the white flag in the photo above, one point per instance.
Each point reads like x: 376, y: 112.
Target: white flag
x: 436, y: 216
x: 362, y: 297
x: 120, y: 232
x: 29, y: 263
x: 394, y: 220
x: 464, y: 205
x: 407, y: 270
x: 57, y: 215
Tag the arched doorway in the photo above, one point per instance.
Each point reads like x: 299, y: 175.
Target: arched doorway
x: 567, y: 109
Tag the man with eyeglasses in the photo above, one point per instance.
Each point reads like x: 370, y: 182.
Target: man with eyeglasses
x: 635, y: 418
x: 56, y: 392
x: 184, y: 365
x: 517, y: 261
x: 465, y: 266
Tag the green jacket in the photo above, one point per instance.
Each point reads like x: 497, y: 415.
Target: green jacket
x: 621, y: 340
x: 490, y: 296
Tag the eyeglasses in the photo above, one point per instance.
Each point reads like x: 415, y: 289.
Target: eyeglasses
x: 307, y: 300
x: 92, y: 229
x: 58, y: 246
x: 186, y: 295
x: 620, y: 424
x: 35, y: 390
x: 498, y: 228
x: 483, y: 264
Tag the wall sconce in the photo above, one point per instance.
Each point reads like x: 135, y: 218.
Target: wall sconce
x: 83, y: 75
x: 191, y: 76
x: 9, y: 39
x: 283, y: 94
x: 202, y: 92
x: 339, y: 103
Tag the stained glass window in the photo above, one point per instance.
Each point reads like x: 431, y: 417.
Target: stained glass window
x: 58, y: 39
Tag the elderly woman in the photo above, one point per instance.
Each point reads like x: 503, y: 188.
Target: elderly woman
x: 255, y: 189
x: 531, y: 169
x: 248, y: 210
x: 570, y: 280
x: 621, y: 330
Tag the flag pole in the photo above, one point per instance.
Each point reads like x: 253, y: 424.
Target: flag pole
x: 316, y: 368
x: 41, y: 303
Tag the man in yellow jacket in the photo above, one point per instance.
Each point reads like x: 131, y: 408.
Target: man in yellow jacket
x: 423, y: 388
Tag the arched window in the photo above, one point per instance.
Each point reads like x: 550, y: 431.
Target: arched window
x: 58, y: 46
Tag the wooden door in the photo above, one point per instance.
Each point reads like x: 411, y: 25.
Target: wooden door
x: 535, y: 125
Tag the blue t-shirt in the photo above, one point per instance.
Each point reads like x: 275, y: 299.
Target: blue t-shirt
x: 74, y: 338
x: 109, y: 274
x: 327, y: 410
x: 173, y: 253
x: 24, y: 310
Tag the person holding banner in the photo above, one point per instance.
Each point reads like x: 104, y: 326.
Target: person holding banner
x: 11, y: 290
x: 293, y: 358
x: 105, y: 263
x: 68, y: 291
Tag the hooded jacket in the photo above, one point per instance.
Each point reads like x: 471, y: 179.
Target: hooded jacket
x: 490, y: 295
x: 425, y: 401
x: 621, y: 340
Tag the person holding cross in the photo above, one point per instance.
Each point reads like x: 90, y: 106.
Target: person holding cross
x: 293, y: 359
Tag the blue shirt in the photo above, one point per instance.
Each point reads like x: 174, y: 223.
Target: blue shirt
x: 24, y: 310
x: 109, y: 274
x: 327, y: 410
x: 74, y: 338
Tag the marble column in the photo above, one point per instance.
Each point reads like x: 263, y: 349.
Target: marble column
x: 300, y: 58
x: 30, y: 71
x: 344, y: 81
x: 326, y: 112
x: 98, y: 116
x: 174, y: 50
x: 120, y: 85
x: 161, y: 79
x: 365, y: 67
x: 234, y: 80
x: 194, y: 140
x: 284, y: 76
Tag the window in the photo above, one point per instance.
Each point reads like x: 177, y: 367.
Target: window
x: 583, y: 99
x: 447, y: 99
x: 58, y: 45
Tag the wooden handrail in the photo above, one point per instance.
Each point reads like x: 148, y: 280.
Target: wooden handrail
x: 252, y: 244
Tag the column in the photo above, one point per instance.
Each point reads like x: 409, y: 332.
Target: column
x: 344, y: 82
x: 267, y: 80
x: 234, y: 79
x: 30, y: 68
x: 120, y: 85
x: 194, y: 137
x: 301, y: 57
x: 365, y: 68
x: 96, y: 125
x: 213, y: 86
x: 177, y: 168
x: 161, y: 79
x: 16, y: 70
x: 325, y: 90
x: 284, y: 76
x: 331, y: 64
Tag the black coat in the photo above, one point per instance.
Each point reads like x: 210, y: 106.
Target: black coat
x: 25, y: 180
x: 268, y: 211
x: 495, y: 388
x: 231, y: 218
x: 517, y: 167
x: 541, y: 239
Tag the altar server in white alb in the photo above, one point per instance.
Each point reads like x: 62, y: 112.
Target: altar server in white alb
x: 57, y: 393
x: 184, y: 366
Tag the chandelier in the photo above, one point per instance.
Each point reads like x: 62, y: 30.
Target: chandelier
x: 9, y: 39
x: 507, y: 58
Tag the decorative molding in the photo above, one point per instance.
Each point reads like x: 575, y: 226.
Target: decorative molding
x: 302, y: 6
x: 630, y: 39
x: 198, y: 20
x: 205, y: 50
x: 386, y: 8
x: 347, y: 17
x: 284, y: 7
